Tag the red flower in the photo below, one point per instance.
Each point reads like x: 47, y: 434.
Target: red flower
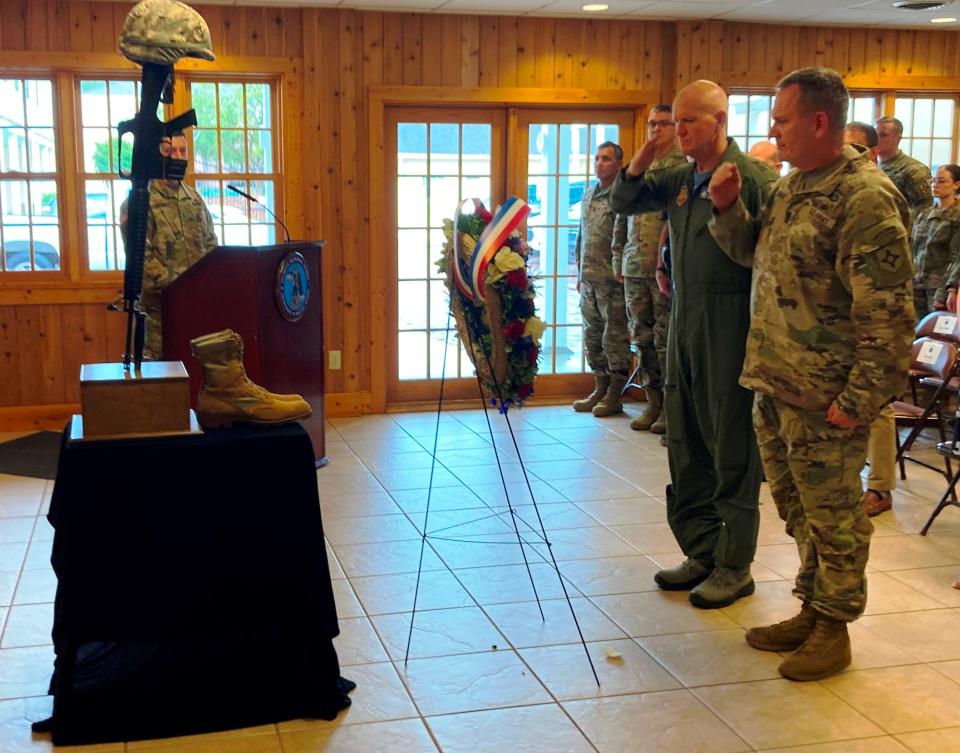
x: 517, y: 279
x: 484, y: 214
x: 514, y: 330
x: 524, y: 390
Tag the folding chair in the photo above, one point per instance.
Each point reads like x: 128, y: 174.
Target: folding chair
x: 936, y: 360
x: 940, y: 325
x: 949, y: 498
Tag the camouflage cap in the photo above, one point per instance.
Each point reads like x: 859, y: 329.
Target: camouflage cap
x: 163, y: 31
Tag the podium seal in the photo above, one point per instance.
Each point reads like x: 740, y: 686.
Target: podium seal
x: 293, y: 286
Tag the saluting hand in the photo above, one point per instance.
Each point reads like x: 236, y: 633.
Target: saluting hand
x: 838, y: 418
x: 725, y: 186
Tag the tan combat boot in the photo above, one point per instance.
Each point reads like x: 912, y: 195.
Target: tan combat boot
x: 788, y: 635
x: 599, y: 390
x: 228, y: 395
x: 651, y: 414
x: 610, y: 403
x: 824, y: 653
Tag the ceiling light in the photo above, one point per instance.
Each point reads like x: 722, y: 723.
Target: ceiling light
x: 942, y: 20
x: 595, y: 7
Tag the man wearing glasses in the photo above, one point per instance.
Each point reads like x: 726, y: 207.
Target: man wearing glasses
x: 648, y: 310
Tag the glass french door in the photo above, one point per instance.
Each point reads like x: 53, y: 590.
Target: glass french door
x: 439, y: 157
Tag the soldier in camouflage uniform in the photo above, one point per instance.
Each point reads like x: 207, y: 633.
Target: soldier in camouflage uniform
x: 829, y: 346
x: 936, y: 244
x: 648, y: 310
x: 179, y: 233
x: 605, y: 335
x: 910, y: 176
x: 946, y: 187
x: 713, y: 500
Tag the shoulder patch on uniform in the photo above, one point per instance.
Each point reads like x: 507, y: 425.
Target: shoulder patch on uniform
x: 683, y: 196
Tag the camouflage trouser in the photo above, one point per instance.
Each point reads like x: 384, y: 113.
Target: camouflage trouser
x: 882, y: 449
x: 153, y: 340
x: 923, y: 300
x: 814, y: 472
x: 648, y: 311
x: 605, y: 335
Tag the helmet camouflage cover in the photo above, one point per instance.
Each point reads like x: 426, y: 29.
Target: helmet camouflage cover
x: 163, y: 31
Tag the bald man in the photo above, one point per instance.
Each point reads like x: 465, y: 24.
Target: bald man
x: 712, y: 503
x: 767, y: 153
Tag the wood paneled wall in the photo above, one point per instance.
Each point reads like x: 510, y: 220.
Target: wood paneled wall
x: 338, y: 54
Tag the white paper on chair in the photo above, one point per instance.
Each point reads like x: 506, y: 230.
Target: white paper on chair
x: 929, y: 353
x: 945, y: 325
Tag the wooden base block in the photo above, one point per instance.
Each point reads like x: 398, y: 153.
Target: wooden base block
x: 116, y: 402
x: 77, y: 435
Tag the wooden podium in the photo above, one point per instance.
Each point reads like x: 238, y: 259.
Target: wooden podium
x: 270, y: 296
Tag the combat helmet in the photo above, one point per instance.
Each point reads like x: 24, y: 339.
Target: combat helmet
x: 163, y: 31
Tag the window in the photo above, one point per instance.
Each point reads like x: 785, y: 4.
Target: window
x: 863, y: 108
x: 233, y: 144
x: 439, y: 164
x: 29, y: 185
x: 928, y: 128
x: 749, y: 118
x: 559, y: 171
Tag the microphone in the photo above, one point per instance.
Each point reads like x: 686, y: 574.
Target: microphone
x: 248, y: 197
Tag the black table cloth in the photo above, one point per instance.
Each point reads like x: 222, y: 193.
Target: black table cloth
x: 193, y: 587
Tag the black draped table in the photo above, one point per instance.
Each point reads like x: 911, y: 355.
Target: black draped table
x: 193, y: 588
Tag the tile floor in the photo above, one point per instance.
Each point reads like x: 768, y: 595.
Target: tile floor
x: 486, y: 673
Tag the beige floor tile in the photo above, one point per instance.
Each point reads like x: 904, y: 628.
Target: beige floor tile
x: 25, y: 672
x: 711, y: 658
x: 38, y: 555
x: 901, y: 699
x: 614, y: 575
x: 19, y: 505
x: 370, y: 529
x: 254, y: 740
x: 445, y: 498
x: 886, y: 594
x: 527, y: 729
x: 556, y: 470
x: 863, y: 745
x: 771, y: 602
x: 523, y: 626
x: 370, y: 503
x: 402, y: 736
x: 586, y: 543
x: 346, y: 599
x: 8, y: 585
x: 489, y: 473
x: 660, y: 613
x: 648, y: 538
x: 28, y: 625
x: 907, y: 553
x: 664, y: 722
x: 380, y: 696
x: 471, y: 682
x: 518, y: 492
x: 336, y: 572
x: 932, y: 741
x: 16, y: 716
x: 438, y: 632
x: 384, y: 558
x: 358, y: 643
x: 949, y: 668
x: 21, y: 485
x: 614, y: 512
x: 935, y: 582
x: 475, y: 521
x: 533, y: 453
x: 12, y: 556
x: 503, y: 584
x: 579, y: 490
x: 486, y: 550
x: 778, y: 713
x: 871, y: 650
x: 622, y: 666
x: 929, y: 636
x: 780, y: 558
x: 415, y: 478
x: 13, y: 530
x: 383, y: 594
x: 556, y: 516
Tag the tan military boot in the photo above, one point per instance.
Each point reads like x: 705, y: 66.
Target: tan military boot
x: 229, y: 332
x: 228, y: 395
x: 610, y: 403
x: 651, y: 414
x: 599, y: 390
x: 824, y: 653
x: 788, y: 635
x: 660, y: 425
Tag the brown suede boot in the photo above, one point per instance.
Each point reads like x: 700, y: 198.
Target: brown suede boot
x: 228, y: 395
x: 610, y: 404
x: 824, y: 653
x: 788, y: 635
x: 651, y: 413
x: 599, y: 390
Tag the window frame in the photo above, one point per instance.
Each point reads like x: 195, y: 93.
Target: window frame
x: 889, y: 108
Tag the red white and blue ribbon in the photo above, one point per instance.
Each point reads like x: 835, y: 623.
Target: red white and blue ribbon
x: 505, y: 221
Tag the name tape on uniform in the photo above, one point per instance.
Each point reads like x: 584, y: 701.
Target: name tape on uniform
x: 929, y: 353
x: 946, y: 325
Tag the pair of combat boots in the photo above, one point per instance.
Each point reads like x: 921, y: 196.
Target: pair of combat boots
x: 605, y: 398
x: 228, y: 396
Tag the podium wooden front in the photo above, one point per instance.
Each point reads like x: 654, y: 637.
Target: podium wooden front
x: 235, y: 287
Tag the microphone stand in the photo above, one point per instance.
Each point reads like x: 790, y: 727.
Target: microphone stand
x: 250, y: 198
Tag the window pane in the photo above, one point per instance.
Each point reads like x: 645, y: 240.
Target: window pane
x: 14, y: 202
x: 46, y: 247
x: 575, y: 154
x: 477, y: 188
x: 569, y: 348
x: 903, y: 111
x: 444, y: 149
x: 444, y: 342
x: 258, y: 106
x: 43, y: 151
x: 97, y: 203
x: 43, y: 202
x: 412, y: 352
x: 263, y: 192
x: 205, y: 158
x: 923, y: 117
x: 96, y: 150
x: 100, y: 247
x: 412, y: 305
x: 759, y: 124
x: 412, y: 250
x: 476, y: 149
x: 204, y: 99
x: 209, y: 191
x: 231, y: 105
x: 437, y: 242
x: 39, y: 98
x: 123, y: 101
x: 412, y: 202
x: 443, y: 199
x: 737, y: 115
x: 547, y: 352
x: 93, y: 103
x: 941, y: 152
x: 542, y: 197
x: 603, y: 132
x: 260, y: 151
x: 236, y: 235
x: 862, y: 109
x: 13, y: 149
x: 542, y: 159
x: 439, y: 306
x: 232, y: 151
x: 943, y: 118
x: 411, y: 148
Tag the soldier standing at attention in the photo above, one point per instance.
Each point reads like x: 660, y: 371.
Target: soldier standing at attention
x: 713, y: 500
x: 648, y: 310
x: 179, y: 233
x: 829, y: 346
x: 605, y: 335
x: 936, y: 244
x: 910, y: 176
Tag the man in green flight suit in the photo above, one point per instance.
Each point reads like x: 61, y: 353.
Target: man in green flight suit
x: 712, y: 506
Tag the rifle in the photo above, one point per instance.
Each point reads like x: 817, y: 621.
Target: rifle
x: 147, y: 164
